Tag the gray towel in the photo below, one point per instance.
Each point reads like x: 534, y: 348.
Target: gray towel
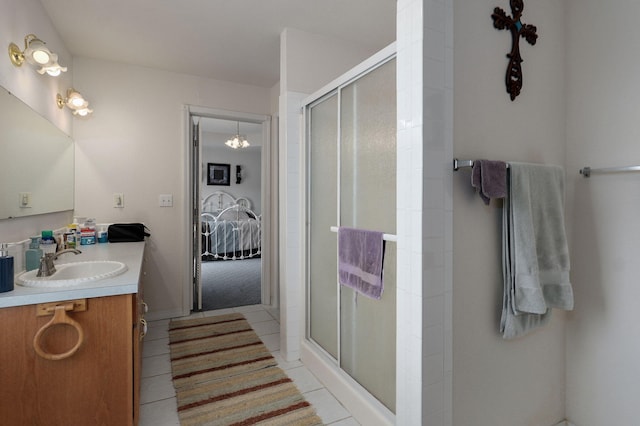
x: 360, y: 259
x: 490, y: 179
x: 535, y: 250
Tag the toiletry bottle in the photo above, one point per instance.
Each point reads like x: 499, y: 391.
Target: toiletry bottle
x: 71, y: 235
x: 6, y: 269
x: 33, y: 254
x: 47, y: 242
x: 101, y: 234
x: 88, y: 232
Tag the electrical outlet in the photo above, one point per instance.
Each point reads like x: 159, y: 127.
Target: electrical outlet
x: 118, y: 200
x: 165, y: 200
x: 24, y: 200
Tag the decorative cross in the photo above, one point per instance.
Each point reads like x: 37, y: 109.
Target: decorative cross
x: 501, y: 21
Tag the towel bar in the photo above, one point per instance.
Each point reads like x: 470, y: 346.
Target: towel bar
x: 585, y: 171
x: 588, y: 171
x: 386, y: 237
x: 458, y: 164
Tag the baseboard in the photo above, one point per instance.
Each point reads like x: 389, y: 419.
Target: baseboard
x: 564, y: 423
x: 362, y: 406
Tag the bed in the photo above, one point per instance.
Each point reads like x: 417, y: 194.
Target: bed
x: 230, y: 229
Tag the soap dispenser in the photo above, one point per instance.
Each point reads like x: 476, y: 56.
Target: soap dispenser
x: 6, y: 269
x: 33, y: 254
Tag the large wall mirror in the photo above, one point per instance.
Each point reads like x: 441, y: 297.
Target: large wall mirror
x: 36, y: 162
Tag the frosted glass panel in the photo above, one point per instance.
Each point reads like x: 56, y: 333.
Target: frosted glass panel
x: 368, y: 201
x: 322, y: 214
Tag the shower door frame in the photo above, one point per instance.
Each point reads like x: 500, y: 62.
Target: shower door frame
x: 331, y: 89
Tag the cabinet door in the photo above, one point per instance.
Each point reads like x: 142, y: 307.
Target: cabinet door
x: 93, y: 386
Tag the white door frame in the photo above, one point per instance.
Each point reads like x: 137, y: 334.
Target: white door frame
x: 266, y: 185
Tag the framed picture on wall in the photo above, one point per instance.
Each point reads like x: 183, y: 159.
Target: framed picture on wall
x: 218, y: 174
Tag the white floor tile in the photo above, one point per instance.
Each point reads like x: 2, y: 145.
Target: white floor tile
x: 303, y: 379
x: 271, y: 341
x: 155, y: 347
x: 275, y: 313
x: 257, y: 317
x: 159, y: 413
x: 248, y: 308
x: 266, y: 327
x: 284, y: 364
x: 327, y: 406
x: 156, y: 388
x: 346, y: 422
x: 156, y: 365
x: 161, y: 324
x: 155, y: 332
x: 218, y: 312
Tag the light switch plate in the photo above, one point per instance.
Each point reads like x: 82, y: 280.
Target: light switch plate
x: 165, y: 200
x: 24, y: 200
x: 118, y: 200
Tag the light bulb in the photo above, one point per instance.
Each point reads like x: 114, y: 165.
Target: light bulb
x: 41, y: 56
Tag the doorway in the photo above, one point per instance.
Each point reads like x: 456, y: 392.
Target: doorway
x: 230, y: 214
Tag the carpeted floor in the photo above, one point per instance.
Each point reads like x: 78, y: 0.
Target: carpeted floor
x: 224, y: 375
x: 230, y: 283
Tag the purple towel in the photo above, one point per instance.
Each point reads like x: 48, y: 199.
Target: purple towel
x: 360, y: 257
x: 490, y: 179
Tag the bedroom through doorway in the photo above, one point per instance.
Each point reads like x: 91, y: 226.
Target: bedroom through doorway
x: 228, y: 211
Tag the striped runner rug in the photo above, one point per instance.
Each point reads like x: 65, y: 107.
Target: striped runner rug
x: 224, y: 375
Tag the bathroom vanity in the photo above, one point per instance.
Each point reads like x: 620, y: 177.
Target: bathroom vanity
x: 72, y: 355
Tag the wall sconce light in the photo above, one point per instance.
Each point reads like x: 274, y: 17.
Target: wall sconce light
x: 75, y: 102
x: 36, y: 53
x: 238, y: 174
x: 238, y: 141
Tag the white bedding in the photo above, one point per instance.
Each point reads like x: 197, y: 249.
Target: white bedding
x: 230, y: 229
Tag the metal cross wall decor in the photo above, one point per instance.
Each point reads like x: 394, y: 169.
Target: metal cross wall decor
x: 501, y: 21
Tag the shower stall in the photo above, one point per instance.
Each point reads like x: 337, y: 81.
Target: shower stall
x: 350, y: 149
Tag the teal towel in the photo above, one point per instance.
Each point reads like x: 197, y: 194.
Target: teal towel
x: 535, y: 251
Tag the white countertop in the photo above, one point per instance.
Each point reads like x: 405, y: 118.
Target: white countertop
x: 130, y: 254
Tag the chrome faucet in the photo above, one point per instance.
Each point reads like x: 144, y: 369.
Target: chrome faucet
x: 47, y: 268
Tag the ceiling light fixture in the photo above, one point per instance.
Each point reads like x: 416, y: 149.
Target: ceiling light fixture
x: 75, y: 102
x: 36, y: 53
x: 238, y: 141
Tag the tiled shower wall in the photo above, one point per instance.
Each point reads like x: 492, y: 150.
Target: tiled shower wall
x: 425, y: 150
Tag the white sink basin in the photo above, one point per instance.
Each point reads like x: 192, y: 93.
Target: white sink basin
x: 73, y: 273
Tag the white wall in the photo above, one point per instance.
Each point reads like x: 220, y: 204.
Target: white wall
x: 134, y: 143
x: 498, y: 382
x: 603, y: 347
x: 313, y: 60
x: 248, y: 159
x: 17, y: 19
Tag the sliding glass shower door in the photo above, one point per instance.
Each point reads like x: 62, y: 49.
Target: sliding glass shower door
x: 322, y: 214
x: 351, y: 173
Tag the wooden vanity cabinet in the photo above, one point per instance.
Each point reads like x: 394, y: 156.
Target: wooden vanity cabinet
x: 98, y: 385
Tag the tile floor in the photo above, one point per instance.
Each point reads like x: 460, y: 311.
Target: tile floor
x: 158, y: 402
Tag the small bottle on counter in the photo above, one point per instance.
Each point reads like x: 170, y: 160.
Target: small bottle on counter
x: 48, y: 243
x: 6, y: 269
x: 70, y: 236
x: 88, y: 232
x: 33, y: 254
x: 101, y: 235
